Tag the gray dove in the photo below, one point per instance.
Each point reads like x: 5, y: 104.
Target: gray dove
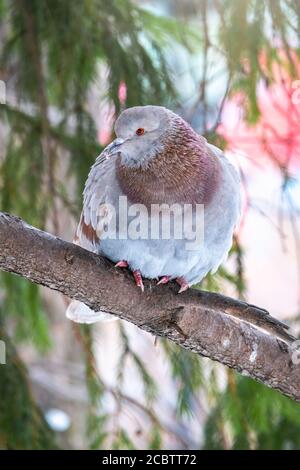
x: 157, y: 173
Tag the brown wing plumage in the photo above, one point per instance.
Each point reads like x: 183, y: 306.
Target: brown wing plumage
x: 86, y: 235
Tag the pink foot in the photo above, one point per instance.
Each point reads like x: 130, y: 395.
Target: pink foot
x: 138, y: 279
x: 183, y: 284
x: 164, y: 280
x: 121, y: 264
x: 136, y: 274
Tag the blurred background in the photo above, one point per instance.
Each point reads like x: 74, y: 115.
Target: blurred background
x: 232, y: 69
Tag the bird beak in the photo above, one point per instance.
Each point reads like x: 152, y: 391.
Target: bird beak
x: 114, y: 147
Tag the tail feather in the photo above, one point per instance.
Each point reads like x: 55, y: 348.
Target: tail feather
x: 81, y: 313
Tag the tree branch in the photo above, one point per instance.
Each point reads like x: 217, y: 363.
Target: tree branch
x: 232, y: 332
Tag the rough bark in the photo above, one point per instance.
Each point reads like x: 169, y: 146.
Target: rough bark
x: 229, y: 331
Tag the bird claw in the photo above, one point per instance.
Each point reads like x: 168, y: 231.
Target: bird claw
x: 138, y: 279
x: 121, y: 264
x: 164, y: 280
x: 183, y: 284
x: 136, y: 274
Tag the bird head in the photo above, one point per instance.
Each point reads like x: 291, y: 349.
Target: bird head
x: 140, y: 134
x: 161, y: 158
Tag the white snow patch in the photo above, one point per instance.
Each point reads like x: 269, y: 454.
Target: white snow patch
x: 226, y: 342
x: 245, y: 373
x: 253, y: 354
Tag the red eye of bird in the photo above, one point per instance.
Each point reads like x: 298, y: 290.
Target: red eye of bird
x: 140, y: 131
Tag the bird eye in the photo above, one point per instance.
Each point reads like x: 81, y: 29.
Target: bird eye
x: 140, y: 131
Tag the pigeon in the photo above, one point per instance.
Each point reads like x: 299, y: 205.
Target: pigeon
x: 157, y: 163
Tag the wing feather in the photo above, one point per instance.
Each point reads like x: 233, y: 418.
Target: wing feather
x: 98, y: 183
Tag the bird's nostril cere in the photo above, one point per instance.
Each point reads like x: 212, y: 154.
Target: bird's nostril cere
x: 113, y: 147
